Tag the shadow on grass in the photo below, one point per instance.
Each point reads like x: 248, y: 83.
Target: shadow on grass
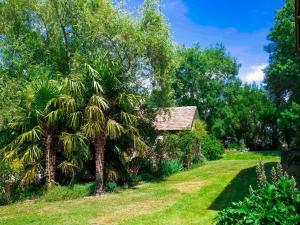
x: 238, y: 188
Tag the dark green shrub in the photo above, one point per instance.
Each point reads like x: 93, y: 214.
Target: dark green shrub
x: 242, y: 147
x: 212, y: 148
x: 184, y: 145
x: 147, y: 176
x: 110, y: 186
x: 234, y: 146
x: 59, y: 193
x: 134, y: 179
x: 9, y: 178
x: 273, y: 202
x: 169, y: 167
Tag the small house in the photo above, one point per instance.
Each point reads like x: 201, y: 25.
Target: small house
x: 175, y: 119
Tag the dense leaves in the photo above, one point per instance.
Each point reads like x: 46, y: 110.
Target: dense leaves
x: 273, y: 202
x: 233, y: 111
x: 212, y: 148
x: 283, y: 72
x: 95, y: 59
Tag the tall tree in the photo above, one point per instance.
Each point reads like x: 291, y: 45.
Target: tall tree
x: 56, y: 39
x: 161, y: 53
x: 101, y: 103
x: 34, y: 146
x: 233, y: 111
x: 201, y: 77
x: 283, y: 73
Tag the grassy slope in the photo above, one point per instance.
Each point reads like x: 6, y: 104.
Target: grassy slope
x: 191, y: 197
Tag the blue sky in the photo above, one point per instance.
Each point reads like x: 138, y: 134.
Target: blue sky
x: 242, y: 26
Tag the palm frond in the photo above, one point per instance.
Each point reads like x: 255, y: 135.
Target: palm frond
x: 75, y: 86
x: 72, y: 143
x: 75, y: 119
x: 31, y: 175
x: 10, y: 152
x: 97, y: 87
x: 19, y: 125
x: 32, y: 154
x: 32, y: 136
x: 129, y: 100
x: 68, y: 168
x: 132, y: 130
x: 68, y: 103
x: 43, y: 92
x: 99, y: 101
x: 129, y: 119
x: 92, y: 72
x: 54, y: 116
x: 94, y: 113
x: 92, y: 129
x: 114, y: 129
x: 139, y: 144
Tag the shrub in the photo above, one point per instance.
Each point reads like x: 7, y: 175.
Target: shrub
x: 212, y: 148
x: 110, y: 186
x: 9, y: 177
x: 273, y: 202
x: 134, y: 179
x: 147, y: 176
x: 169, y: 167
x: 234, y: 146
x: 241, y: 147
x: 59, y: 193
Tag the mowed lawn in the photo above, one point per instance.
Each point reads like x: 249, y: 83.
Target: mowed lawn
x: 190, y: 197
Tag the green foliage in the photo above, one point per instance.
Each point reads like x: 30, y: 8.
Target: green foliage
x: 212, y: 148
x: 201, y: 77
x: 185, y: 145
x: 10, y: 96
x: 8, y: 176
x: 98, y: 56
x: 289, y: 123
x: 60, y: 193
x: 282, y: 75
x: 232, y: 110
x: 241, y: 146
x: 273, y: 202
x: 160, y: 51
x: 110, y: 186
x: 31, y: 125
x: 169, y: 167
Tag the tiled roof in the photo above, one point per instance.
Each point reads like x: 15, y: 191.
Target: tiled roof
x: 175, y: 119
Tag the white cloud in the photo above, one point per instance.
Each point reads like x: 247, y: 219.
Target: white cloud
x: 254, y: 74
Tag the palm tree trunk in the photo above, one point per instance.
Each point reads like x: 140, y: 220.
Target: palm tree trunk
x: 50, y: 161
x: 99, y: 146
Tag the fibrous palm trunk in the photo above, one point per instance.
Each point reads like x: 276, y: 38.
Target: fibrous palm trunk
x: 99, y: 145
x: 50, y: 161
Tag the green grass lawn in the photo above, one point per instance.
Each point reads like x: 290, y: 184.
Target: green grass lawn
x: 190, y: 197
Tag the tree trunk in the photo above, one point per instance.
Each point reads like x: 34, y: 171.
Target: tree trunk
x: 198, y: 151
x: 50, y: 161
x: 99, y: 146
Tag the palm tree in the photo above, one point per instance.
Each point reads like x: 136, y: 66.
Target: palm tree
x: 101, y: 102
x: 34, y: 145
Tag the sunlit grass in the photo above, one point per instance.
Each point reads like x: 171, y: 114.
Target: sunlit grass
x: 261, y: 155
x: 189, y: 197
